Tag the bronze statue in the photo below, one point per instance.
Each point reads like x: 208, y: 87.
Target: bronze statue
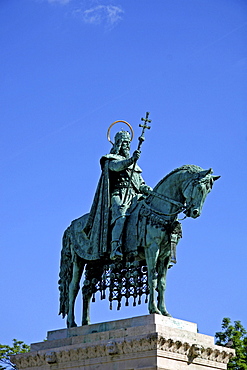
x: 128, y: 240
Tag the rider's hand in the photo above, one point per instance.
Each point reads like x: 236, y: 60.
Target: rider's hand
x: 145, y: 189
x: 136, y: 155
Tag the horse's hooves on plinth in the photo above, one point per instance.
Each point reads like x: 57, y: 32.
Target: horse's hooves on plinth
x: 85, y: 322
x: 166, y: 314
x: 72, y: 325
x: 155, y: 311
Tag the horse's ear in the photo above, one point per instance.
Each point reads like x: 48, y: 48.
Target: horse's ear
x: 216, y: 177
x: 206, y: 172
x: 209, y: 171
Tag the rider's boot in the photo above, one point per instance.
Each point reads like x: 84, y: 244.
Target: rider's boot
x: 117, y: 231
x: 115, y: 250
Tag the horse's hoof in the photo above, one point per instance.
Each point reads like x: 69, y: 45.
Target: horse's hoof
x: 166, y: 314
x: 71, y: 325
x: 155, y: 311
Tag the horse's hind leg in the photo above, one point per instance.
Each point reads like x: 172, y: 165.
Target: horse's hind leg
x: 74, y: 286
x: 93, y: 275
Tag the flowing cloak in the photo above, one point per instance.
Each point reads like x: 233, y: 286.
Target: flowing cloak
x: 97, y: 226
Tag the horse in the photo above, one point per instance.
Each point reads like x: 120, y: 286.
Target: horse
x: 153, y: 220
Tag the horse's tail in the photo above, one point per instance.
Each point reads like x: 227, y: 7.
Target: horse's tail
x: 65, y: 274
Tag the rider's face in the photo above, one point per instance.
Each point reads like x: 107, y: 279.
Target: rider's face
x: 125, y: 148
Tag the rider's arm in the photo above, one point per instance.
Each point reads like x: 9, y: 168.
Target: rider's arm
x: 120, y: 165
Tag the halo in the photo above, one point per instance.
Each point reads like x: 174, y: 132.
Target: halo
x: 109, y: 130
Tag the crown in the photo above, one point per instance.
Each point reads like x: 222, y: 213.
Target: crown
x: 122, y: 136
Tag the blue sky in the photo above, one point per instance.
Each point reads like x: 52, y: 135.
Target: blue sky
x: 68, y: 70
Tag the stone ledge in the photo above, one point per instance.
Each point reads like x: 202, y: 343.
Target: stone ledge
x: 121, y: 329
x: 133, y: 322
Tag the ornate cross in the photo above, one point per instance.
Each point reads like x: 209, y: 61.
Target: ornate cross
x: 141, y: 139
x: 146, y: 120
x: 144, y: 126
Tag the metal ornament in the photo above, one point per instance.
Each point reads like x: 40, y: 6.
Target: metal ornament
x: 127, y: 123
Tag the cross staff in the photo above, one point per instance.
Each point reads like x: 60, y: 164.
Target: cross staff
x: 141, y: 139
x: 144, y: 126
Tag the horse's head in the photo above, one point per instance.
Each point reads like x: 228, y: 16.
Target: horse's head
x: 196, y: 190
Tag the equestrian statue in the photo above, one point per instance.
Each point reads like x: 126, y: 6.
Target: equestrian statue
x: 127, y: 241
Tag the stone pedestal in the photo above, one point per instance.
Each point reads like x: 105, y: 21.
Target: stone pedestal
x: 148, y: 342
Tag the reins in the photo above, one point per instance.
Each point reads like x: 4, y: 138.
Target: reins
x: 166, y: 199
x: 163, y: 197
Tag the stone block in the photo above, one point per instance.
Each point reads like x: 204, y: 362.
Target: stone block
x: 149, y: 342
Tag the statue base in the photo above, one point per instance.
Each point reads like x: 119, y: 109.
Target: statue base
x: 149, y: 342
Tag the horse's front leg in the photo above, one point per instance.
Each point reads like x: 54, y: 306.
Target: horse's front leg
x: 161, y: 287
x: 74, y: 287
x: 151, y: 255
x: 86, y: 300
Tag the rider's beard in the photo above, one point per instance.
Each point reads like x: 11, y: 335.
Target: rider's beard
x: 125, y: 152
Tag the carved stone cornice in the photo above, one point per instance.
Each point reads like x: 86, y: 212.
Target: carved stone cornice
x: 124, y: 346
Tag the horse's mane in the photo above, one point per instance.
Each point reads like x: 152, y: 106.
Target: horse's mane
x: 191, y: 168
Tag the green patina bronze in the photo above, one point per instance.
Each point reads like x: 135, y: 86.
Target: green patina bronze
x: 128, y: 240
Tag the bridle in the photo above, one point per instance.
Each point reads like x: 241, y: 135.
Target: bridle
x: 181, y: 206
